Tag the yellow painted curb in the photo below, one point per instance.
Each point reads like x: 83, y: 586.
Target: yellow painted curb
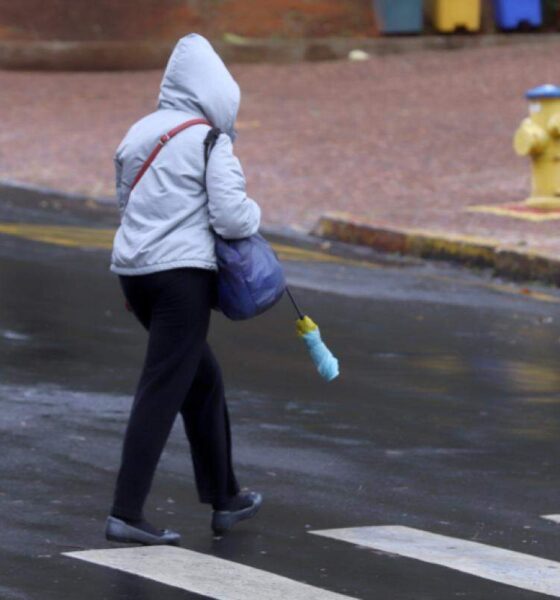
x: 469, y: 250
x: 507, y: 211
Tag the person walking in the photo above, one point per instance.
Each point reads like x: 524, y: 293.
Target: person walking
x: 164, y: 255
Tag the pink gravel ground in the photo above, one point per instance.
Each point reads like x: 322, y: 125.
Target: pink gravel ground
x: 404, y: 140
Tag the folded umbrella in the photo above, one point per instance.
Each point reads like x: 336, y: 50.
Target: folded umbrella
x: 326, y: 363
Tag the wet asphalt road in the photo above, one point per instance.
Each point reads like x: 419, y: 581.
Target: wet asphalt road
x: 446, y: 418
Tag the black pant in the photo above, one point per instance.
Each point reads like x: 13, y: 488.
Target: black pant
x: 180, y: 375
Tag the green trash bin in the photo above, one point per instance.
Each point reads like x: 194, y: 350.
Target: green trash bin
x: 399, y: 16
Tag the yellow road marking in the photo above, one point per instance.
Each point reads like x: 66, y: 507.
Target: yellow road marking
x: 301, y: 254
x: 87, y: 237
x: 506, y: 211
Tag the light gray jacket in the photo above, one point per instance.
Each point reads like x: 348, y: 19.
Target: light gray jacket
x: 166, y: 220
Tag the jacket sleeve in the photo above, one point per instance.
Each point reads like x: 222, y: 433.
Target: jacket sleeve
x: 232, y: 214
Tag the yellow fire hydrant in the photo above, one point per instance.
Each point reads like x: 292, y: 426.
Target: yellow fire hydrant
x: 538, y: 136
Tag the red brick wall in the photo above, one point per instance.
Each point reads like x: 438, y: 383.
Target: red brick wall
x: 169, y: 19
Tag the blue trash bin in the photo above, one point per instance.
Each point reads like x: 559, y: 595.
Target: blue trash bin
x: 510, y: 14
x: 399, y: 16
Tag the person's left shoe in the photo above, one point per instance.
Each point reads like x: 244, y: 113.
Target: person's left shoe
x: 242, y: 506
x: 117, y: 530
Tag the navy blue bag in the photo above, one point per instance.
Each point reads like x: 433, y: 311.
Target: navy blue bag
x: 250, y: 276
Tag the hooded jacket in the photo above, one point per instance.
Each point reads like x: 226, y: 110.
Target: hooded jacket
x: 168, y: 218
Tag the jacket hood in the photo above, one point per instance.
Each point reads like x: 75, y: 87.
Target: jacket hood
x: 196, y: 79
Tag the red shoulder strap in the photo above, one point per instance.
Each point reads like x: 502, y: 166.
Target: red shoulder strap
x: 162, y: 141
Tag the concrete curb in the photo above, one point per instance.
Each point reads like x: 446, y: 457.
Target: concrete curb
x: 17, y: 194
x: 139, y: 55
x: 18, y: 189
x: 513, y: 263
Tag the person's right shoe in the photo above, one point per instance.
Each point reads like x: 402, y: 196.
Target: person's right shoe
x: 117, y: 530
x: 224, y: 520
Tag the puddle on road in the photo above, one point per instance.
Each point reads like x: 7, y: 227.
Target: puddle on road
x: 58, y: 399
x: 14, y: 336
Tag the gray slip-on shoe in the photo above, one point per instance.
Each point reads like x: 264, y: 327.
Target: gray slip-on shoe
x: 224, y: 520
x: 117, y: 530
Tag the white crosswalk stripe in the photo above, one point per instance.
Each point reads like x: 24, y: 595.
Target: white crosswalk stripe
x: 555, y: 518
x: 496, y: 564
x: 204, y: 574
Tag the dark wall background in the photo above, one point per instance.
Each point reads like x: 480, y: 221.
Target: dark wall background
x: 129, y: 20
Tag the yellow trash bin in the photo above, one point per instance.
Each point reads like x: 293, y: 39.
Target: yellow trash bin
x: 449, y: 15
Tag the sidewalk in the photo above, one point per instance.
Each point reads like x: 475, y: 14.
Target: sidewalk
x: 400, y: 143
